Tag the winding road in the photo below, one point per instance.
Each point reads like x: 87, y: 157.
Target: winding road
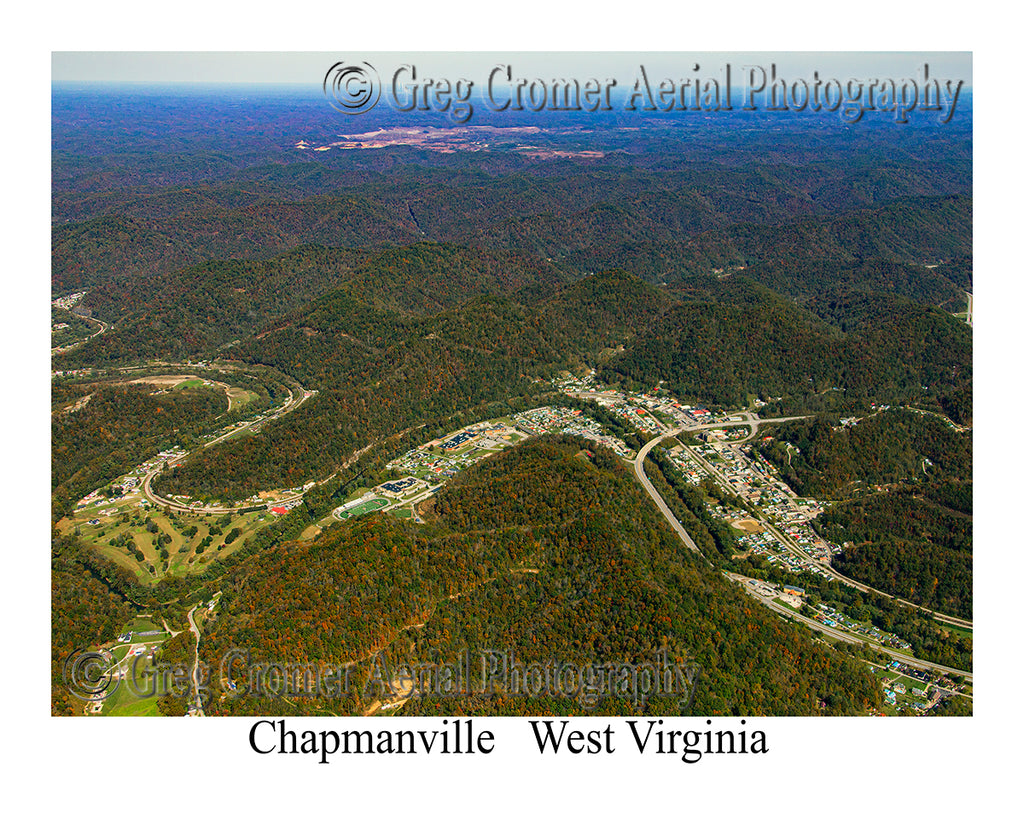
x: 195, y: 664
x: 291, y: 404
x: 74, y: 346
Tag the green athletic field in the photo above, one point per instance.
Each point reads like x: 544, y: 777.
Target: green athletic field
x: 363, y: 508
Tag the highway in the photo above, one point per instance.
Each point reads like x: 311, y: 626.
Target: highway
x: 638, y: 469
x: 826, y: 568
x: 843, y: 635
x: 945, y: 618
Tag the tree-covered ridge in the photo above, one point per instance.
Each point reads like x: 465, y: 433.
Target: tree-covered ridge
x: 140, y: 212
x: 798, y: 257
x: 941, y: 285
x: 723, y: 344
x: 545, y: 551
x: 912, y: 230
x: 913, y: 539
x: 908, y: 544
x: 139, y: 247
x: 812, y: 263
x: 99, y: 431
x: 383, y: 369
x: 194, y: 311
x: 365, y: 396
x: 819, y: 459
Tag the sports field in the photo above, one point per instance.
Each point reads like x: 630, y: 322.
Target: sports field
x: 363, y: 508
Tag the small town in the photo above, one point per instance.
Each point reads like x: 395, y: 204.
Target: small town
x: 769, y: 518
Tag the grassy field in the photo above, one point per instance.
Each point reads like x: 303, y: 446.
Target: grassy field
x: 142, y: 624
x: 239, y: 397
x: 363, y: 508
x: 310, y: 532
x: 191, y: 383
x: 136, y: 693
x: 125, y: 530
x: 133, y: 707
x: 136, y: 698
x: 955, y: 630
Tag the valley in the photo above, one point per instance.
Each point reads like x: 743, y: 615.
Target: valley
x: 596, y: 394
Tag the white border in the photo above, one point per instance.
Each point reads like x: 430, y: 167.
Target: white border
x: 835, y: 767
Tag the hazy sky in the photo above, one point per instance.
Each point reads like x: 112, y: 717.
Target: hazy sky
x: 310, y: 67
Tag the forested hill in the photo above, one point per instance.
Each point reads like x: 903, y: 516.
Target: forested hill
x: 728, y: 342
x: 408, y: 284
x: 546, y: 552
x: 671, y: 198
x: 420, y: 282
x: 383, y: 370
x: 821, y: 459
x: 915, y: 542
x: 193, y: 311
x: 656, y: 238
x: 903, y: 480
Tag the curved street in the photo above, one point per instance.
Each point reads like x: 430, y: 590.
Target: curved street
x: 75, y: 345
x: 292, y: 403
